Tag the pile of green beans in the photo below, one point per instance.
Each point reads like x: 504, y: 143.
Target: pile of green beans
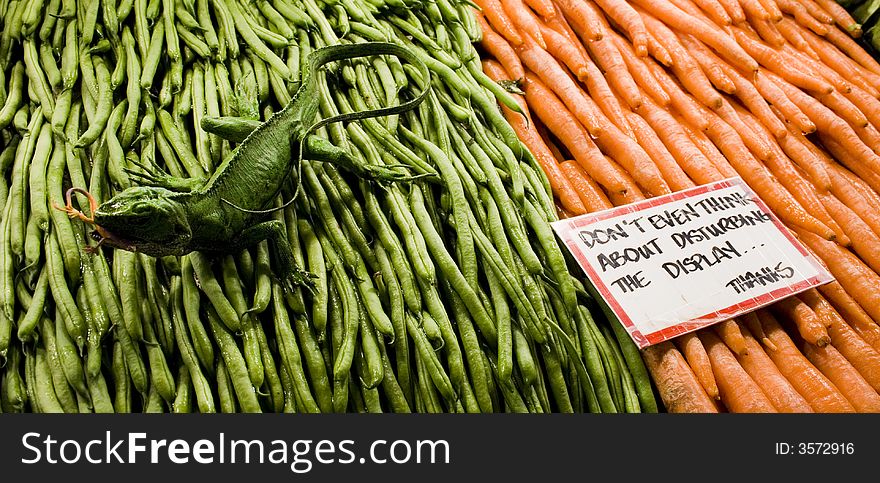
x: 446, y: 294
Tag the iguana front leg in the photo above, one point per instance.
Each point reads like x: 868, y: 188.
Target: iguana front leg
x: 151, y: 176
x: 232, y: 129
x: 291, y: 276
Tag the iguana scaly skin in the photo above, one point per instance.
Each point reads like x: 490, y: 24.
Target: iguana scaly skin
x: 174, y: 216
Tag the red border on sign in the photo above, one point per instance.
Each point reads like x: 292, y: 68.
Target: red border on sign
x: 645, y: 340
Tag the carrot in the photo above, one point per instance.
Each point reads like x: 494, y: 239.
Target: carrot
x: 675, y: 381
x: 544, y: 8
x: 560, y: 121
x: 590, y: 194
x: 865, y: 242
x: 561, y: 26
x: 853, y: 50
x: 857, y: 279
x: 680, y: 100
x: 685, y: 68
x: 522, y: 19
x: 697, y: 358
x: 526, y: 132
x: 817, y: 12
x: 632, y: 193
x: 859, y: 353
x: 679, y: 20
x: 773, y: 12
x: 561, y: 213
x: 867, y: 104
x: 739, y: 392
x: 808, y: 324
x: 845, y: 109
x: 717, y: 161
x: 780, y: 101
x: 651, y: 143
x: 775, y: 62
x: 815, y: 67
x: 792, y: 34
x: 860, y: 185
x: 715, y: 10
x: 776, y: 197
x: 640, y: 72
x: 658, y: 52
x: 621, y: 13
x: 609, y: 59
x: 627, y: 152
x: 845, y: 377
x: 754, y: 10
x: 563, y: 50
x: 821, y: 393
x: 746, y: 92
x: 734, y: 9
x: 845, y: 157
x: 680, y: 146
x: 769, y: 33
x: 852, y: 199
x: 500, y: 49
x: 500, y: 21
x: 760, y: 367
x: 801, y: 16
x: 852, y: 313
x: 846, y: 67
x: 709, y: 64
x: 751, y: 321
x: 808, y: 157
x: 584, y: 19
x: 758, y: 145
x: 841, y: 17
x: 554, y: 76
x: 730, y: 333
x: 604, y: 97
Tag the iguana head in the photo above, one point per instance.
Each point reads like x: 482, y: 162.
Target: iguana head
x: 144, y: 219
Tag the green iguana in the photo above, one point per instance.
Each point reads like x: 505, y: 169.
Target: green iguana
x: 228, y: 211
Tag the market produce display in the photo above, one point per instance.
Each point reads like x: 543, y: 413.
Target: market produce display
x: 434, y: 280
x: 638, y: 99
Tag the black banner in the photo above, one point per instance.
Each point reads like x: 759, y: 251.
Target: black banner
x: 417, y: 448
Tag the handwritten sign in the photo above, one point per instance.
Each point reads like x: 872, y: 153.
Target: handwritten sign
x: 673, y: 264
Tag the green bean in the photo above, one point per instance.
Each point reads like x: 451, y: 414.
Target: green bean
x: 49, y: 16
x: 188, y: 354
x: 35, y: 311
x: 123, y: 10
x: 227, y: 27
x: 151, y: 57
x: 32, y: 248
x: 50, y: 67
x: 14, y: 392
x: 18, y: 190
x: 209, y: 285
x: 73, y: 320
x: 153, y: 402
x: 235, y: 295
x: 288, y: 349
x: 158, y: 301
x: 432, y: 330
x: 185, y: 17
x: 93, y: 343
x: 183, y: 101
x: 476, y: 399
x: 426, y: 389
x: 630, y: 398
x: 225, y: 389
x: 21, y: 119
x: 212, y: 108
x: 115, y: 151
x: 293, y: 13
x: 636, y: 367
x: 224, y: 89
x: 173, y: 44
x: 176, y: 138
x: 37, y: 80
x: 183, y: 399
x: 125, y: 265
x: 324, y: 28
x: 71, y: 363
x: 254, y: 42
x: 89, y: 21
x: 234, y: 361
x: 62, y: 112
x: 192, y: 41
x: 373, y: 371
x: 133, y: 89
x: 104, y: 108
x: 100, y: 396
x: 396, y: 302
x: 133, y: 361
x: 121, y: 381
x: 65, y: 395
x: 44, y: 393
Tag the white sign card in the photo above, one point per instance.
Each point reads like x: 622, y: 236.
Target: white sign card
x: 676, y: 263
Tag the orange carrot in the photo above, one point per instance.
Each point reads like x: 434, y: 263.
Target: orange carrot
x: 779, y: 101
x: 773, y: 12
x: 867, y: 104
x: 730, y: 333
x: 801, y: 16
x: 697, y: 358
x: 499, y: 20
x: 860, y: 185
x: 817, y: 12
x: 675, y: 381
x: 865, y: 242
x: 563, y: 50
x: 626, y: 152
x: 739, y: 392
x: 808, y: 324
x: 845, y: 109
x: 604, y: 97
x: 554, y: 76
x: 768, y: 32
x: 734, y: 9
x: 648, y: 140
x: 522, y: 19
x: 808, y: 157
x: 658, y: 52
x: 680, y: 100
x: 676, y: 140
x: 590, y: 194
x: 583, y: 19
x: 757, y: 144
x: 621, y: 13
x: 609, y: 59
x: 500, y: 49
x: 845, y: 377
x: 820, y: 392
x: 717, y: 162
x: 815, y: 67
x: 752, y: 99
x: 857, y: 279
x: 859, y: 353
x: 846, y: 193
x: 841, y: 17
x: 853, y: 50
x: 640, y: 72
x: 559, y: 120
x: 846, y: 67
x: 561, y: 26
x: 715, y: 11
x: 709, y: 64
x: 754, y: 10
x: 792, y: 34
x: 679, y: 20
x: 632, y: 193
x: 845, y: 157
x: 852, y: 313
x: 775, y: 62
x: 751, y: 321
x: 543, y: 8
x: 760, y: 367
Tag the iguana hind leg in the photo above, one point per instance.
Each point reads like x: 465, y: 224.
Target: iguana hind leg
x: 319, y: 149
x: 291, y: 276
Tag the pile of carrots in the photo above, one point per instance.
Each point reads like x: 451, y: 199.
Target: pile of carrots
x: 629, y: 100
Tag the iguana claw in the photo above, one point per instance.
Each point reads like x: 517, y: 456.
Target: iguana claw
x: 299, y: 278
